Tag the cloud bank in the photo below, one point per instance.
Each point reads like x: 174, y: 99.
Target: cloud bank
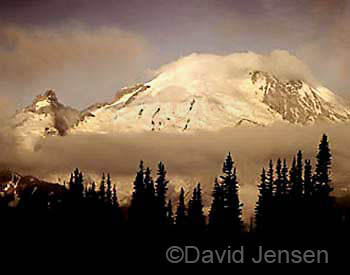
x: 189, y: 158
x: 279, y: 62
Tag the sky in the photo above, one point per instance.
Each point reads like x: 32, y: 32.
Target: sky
x: 87, y: 50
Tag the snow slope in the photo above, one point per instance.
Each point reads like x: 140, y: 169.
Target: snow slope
x: 199, y: 92
x: 44, y: 117
x: 188, y: 98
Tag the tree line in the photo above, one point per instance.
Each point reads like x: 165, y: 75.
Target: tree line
x: 294, y: 204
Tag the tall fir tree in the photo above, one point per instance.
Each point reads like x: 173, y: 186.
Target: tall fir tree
x: 92, y: 191
x: 181, y: 215
x: 233, y: 207
x: 323, y: 202
x: 261, y: 205
x: 76, y: 185
x: 308, y: 180
x: 299, y: 188
x: 161, y: 190
x: 102, y: 191
x: 138, y: 197
x: 293, y: 178
x: 149, y: 187
x: 285, y: 181
x: 150, y: 206
x: 323, y: 168
x: 279, y: 180
x: 115, y: 202
x: 217, y: 210
x: 195, y: 208
x: 169, y: 214
x: 270, y: 180
x: 109, y: 189
x: 116, y: 213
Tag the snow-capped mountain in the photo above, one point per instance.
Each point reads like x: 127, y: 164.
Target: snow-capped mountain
x: 189, y: 97
x: 44, y: 117
x: 181, y: 101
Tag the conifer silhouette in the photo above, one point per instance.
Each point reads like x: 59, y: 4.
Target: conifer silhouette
x: 217, y: 211
x: 285, y: 181
x: 181, y: 217
x: 161, y: 190
x: 102, y: 191
x: 308, y: 180
x: 262, y: 204
x: 109, y: 190
x: 279, y: 186
x: 323, y: 165
x: 195, y: 209
x: 233, y: 211
x: 138, y: 197
x: 149, y: 199
x: 169, y: 214
x: 115, y: 202
x: 270, y: 180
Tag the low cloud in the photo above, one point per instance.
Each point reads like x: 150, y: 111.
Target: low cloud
x: 279, y: 62
x: 189, y: 158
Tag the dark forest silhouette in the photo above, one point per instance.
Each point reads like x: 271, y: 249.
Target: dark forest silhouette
x: 294, y: 208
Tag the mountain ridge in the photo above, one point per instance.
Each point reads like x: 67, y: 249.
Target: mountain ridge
x: 186, y: 99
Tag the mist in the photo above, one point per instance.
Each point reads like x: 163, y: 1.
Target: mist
x: 189, y: 158
x: 280, y: 63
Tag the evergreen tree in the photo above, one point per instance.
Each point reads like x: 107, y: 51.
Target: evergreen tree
x: 139, y: 186
x: 161, y: 190
x: 195, y: 208
x: 76, y: 185
x: 270, y: 181
x: 308, y: 211
x: 323, y: 168
x: 93, y: 190
x: 233, y: 206
x: 181, y: 218
x: 293, y: 179
x: 149, y: 203
x: 216, y: 215
x: 115, y: 207
x: 285, y: 182
x: 71, y: 182
x: 169, y: 214
x: 308, y: 181
x: 261, y: 205
x: 102, y: 191
x: 275, y: 209
x: 323, y: 202
x: 109, y: 190
x: 299, y: 167
x: 298, y: 186
x: 115, y: 202
x: 138, y: 197
x: 279, y: 188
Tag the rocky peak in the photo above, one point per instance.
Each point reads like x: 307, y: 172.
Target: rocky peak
x: 295, y: 100
x: 51, y: 95
x: 47, y: 99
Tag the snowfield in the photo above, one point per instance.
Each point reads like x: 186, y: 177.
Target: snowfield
x: 187, y: 96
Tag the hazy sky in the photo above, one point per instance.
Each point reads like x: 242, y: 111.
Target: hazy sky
x: 87, y: 50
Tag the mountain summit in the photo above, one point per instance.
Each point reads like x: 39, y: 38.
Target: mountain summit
x: 46, y: 116
x: 196, y: 93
